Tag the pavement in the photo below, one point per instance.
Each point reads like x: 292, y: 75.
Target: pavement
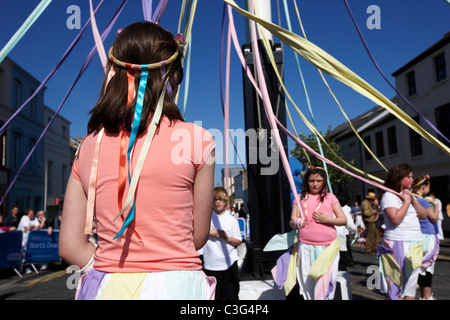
x: 51, y: 284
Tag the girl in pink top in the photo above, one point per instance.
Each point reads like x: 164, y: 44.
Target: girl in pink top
x: 322, y: 212
x: 145, y: 176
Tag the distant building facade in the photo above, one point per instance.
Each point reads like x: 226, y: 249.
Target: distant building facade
x: 21, y: 135
x: 425, y: 82
x: 237, y: 186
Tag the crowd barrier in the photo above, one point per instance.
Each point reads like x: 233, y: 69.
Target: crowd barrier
x: 11, y: 250
x: 40, y: 247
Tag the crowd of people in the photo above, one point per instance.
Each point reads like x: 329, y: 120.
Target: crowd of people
x: 27, y: 221
x: 402, y: 230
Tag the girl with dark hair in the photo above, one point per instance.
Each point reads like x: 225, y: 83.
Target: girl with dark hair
x: 401, y: 249
x: 318, y: 245
x: 150, y: 194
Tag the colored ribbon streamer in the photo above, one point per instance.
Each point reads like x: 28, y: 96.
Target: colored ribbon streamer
x: 269, y: 112
x: 83, y: 69
x: 142, y: 156
x: 298, y: 141
x: 147, y: 6
x: 309, y: 125
x: 131, y: 143
x: 244, y: 169
x: 24, y: 28
x: 324, y: 261
x: 339, y: 105
x: 385, y: 78
x: 97, y: 38
x: 55, y: 69
x: 333, y: 67
x: 306, y: 95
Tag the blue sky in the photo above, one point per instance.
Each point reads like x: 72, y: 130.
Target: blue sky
x: 407, y: 29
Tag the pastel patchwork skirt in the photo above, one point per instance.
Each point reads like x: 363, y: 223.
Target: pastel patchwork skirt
x: 166, y: 285
x: 317, y: 268
x: 430, y: 253
x: 400, y: 263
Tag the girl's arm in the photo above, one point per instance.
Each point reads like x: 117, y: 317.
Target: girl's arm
x: 433, y: 211
x: 294, y: 215
x: 203, y: 201
x: 422, y: 213
x: 396, y: 215
x: 74, y: 245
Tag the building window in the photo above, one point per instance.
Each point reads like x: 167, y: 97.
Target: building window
x: 32, y: 106
x: 16, y: 151
x: 411, y: 83
x: 49, y: 177
x: 17, y: 93
x: 392, y: 140
x: 443, y: 122
x: 368, y: 143
x: 64, y: 178
x: 415, y: 140
x: 31, y: 160
x: 439, y: 66
x: 379, y: 143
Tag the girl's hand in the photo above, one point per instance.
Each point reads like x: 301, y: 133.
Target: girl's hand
x: 320, y: 217
x: 407, y: 195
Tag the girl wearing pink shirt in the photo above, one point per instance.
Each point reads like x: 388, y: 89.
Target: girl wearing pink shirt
x: 145, y: 175
x: 317, y: 240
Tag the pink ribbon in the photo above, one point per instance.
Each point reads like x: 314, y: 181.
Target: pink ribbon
x: 273, y: 121
x: 97, y: 38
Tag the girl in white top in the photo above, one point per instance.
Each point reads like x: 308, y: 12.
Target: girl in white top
x: 403, y: 236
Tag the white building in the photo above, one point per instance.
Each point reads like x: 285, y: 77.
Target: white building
x: 58, y: 157
x: 425, y: 82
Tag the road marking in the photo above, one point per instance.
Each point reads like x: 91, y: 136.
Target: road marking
x: 46, y: 278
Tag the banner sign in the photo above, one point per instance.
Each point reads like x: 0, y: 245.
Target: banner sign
x: 42, y: 247
x: 10, y: 249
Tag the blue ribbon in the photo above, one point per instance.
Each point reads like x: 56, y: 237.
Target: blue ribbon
x: 133, y: 135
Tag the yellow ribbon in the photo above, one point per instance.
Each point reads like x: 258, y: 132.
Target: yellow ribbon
x: 325, y: 260
x: 337, y: 70
x: 308, y: 124
x: 291, y: 279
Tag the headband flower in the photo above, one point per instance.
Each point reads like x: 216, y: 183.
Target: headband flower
x: 181, y: 41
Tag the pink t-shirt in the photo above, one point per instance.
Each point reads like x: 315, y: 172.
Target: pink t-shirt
x: 317, y: 233
x: 164, y: 199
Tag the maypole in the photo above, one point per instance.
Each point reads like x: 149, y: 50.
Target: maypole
x: 268, y: 186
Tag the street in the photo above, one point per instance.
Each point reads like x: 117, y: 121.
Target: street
x: 53, y: 283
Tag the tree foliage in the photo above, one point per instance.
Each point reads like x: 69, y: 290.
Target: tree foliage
x: 337, y: 177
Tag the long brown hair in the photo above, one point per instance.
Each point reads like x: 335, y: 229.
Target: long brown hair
x: 323, y: 174
x: 395, y: 176
x: 139, y: 43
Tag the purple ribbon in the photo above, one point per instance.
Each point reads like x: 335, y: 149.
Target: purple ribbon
x: 385, y: 78
x: 148, y: 12
x: 83, y: 68
x: 58, y: 65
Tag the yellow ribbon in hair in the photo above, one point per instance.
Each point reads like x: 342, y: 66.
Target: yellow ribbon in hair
x: 337, y: 70
x: 325, y: 260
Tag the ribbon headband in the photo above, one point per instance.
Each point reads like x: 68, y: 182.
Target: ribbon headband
x: 127, y: 65
x: 425, y: 178
x: 314, y: 167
